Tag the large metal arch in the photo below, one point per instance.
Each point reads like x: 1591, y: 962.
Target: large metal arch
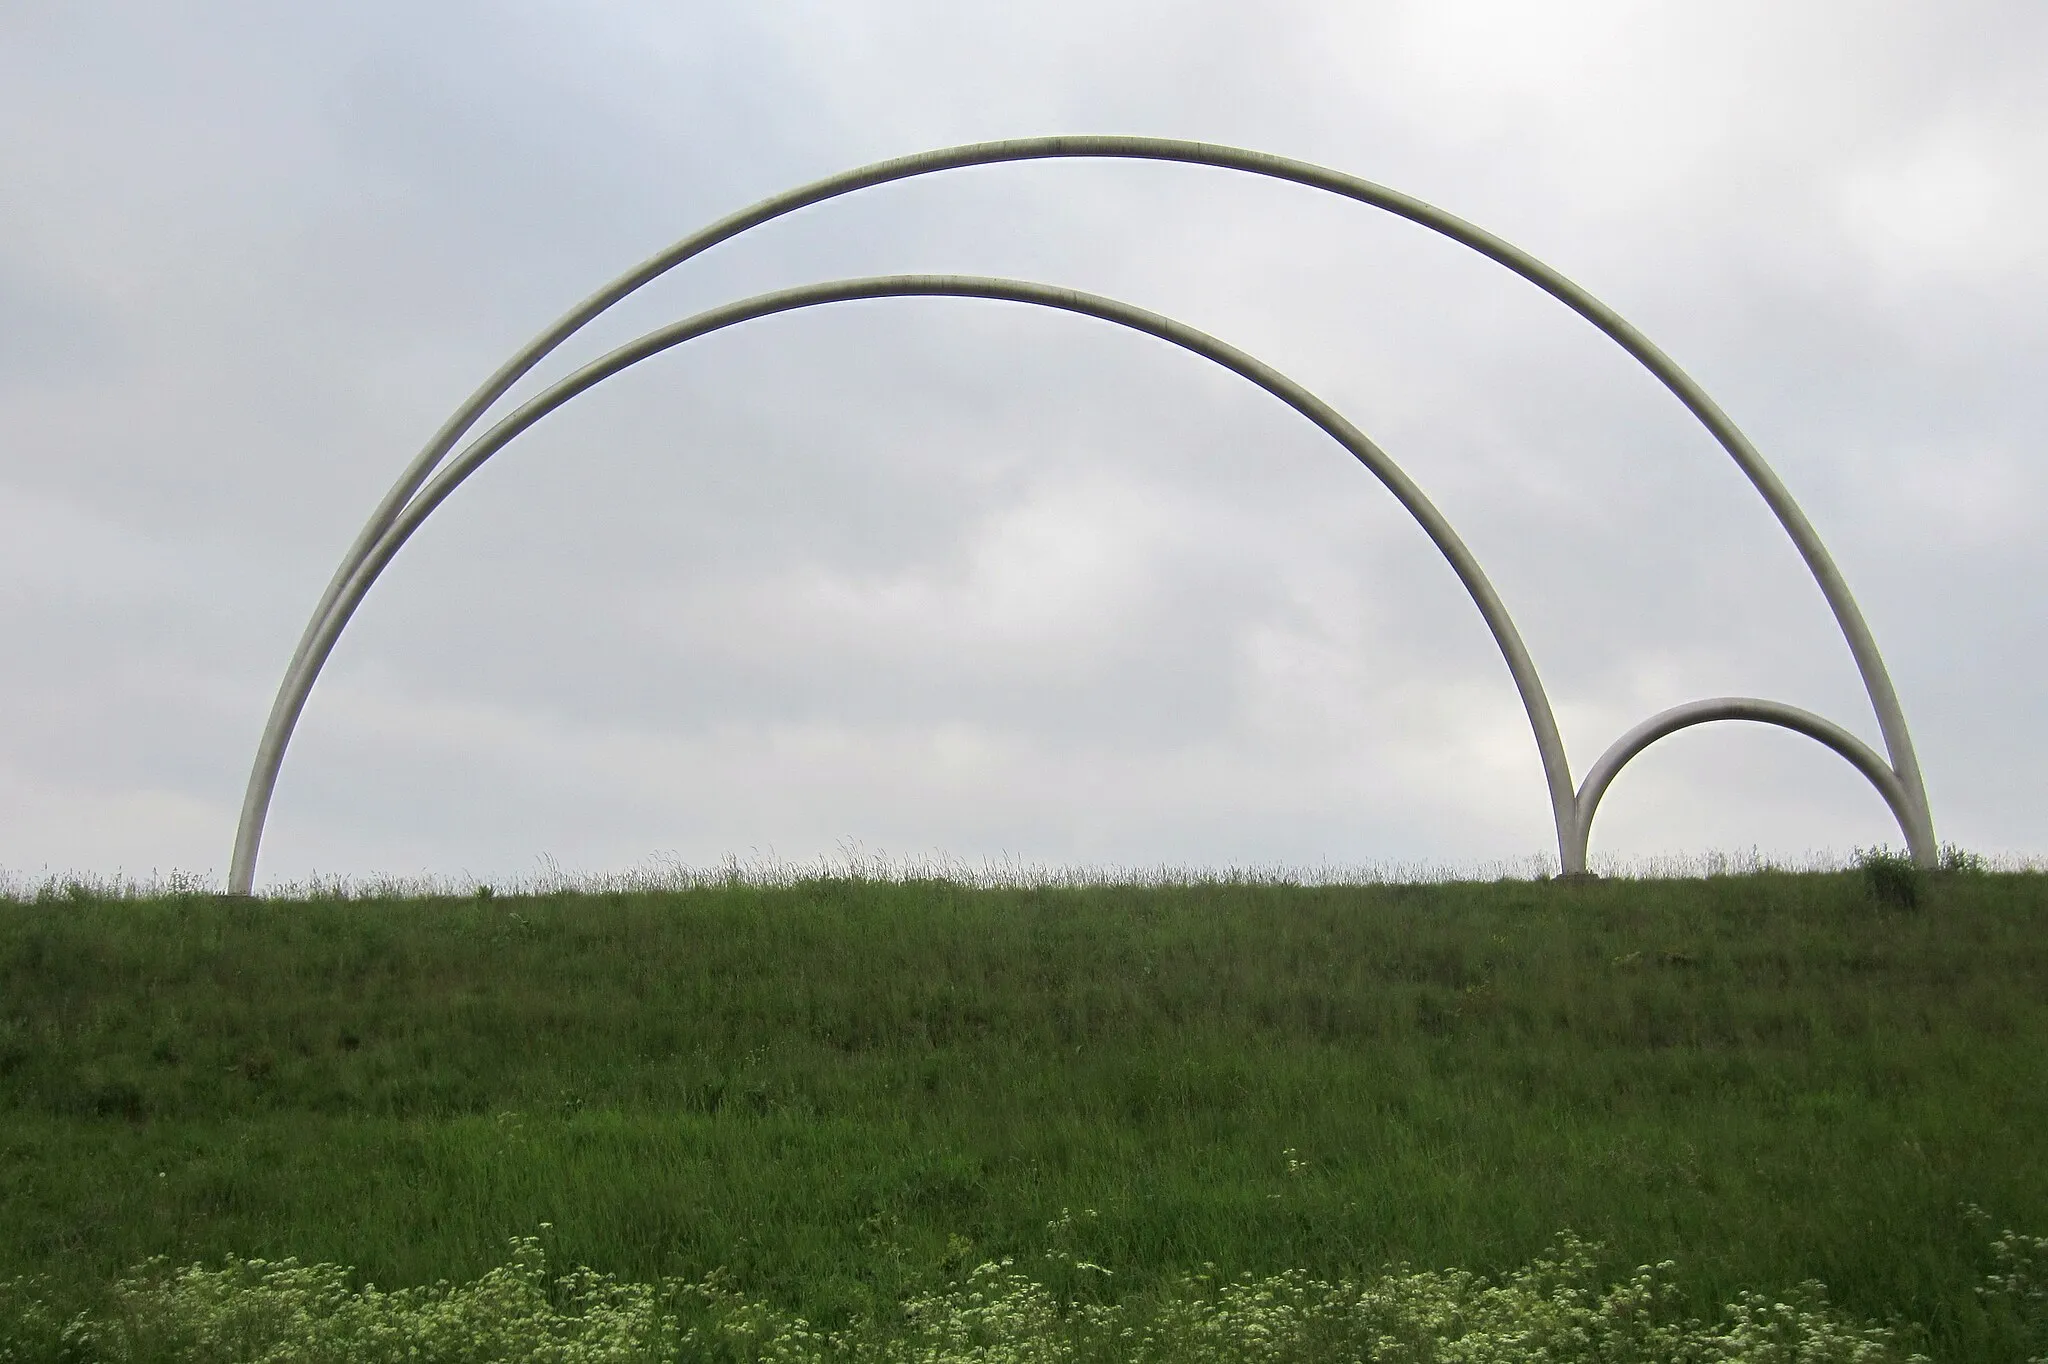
x: 1863, y: 649
x: 1667, y: 722
x: 443, y: 483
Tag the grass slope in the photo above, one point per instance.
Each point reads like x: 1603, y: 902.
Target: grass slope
x: 846, y: 1091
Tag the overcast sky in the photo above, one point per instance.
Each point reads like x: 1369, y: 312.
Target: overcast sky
x: 965, y: 578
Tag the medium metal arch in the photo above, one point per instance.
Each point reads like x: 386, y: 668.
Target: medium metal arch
x: 320, y: 644
x: 1860, y: 755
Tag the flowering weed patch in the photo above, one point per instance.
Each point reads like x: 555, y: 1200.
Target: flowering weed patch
x: 1557, y: 1309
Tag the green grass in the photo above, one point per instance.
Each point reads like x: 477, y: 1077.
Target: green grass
x: 846, y: 1091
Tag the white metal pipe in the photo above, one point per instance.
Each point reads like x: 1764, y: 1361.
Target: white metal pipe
x: 1860, y: 755
x: 1855, y: 630
x: 451, y: 476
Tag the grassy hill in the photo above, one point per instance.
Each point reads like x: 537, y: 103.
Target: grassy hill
x: 847, y: 1091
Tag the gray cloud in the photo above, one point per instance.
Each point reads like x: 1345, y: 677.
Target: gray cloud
x: 938, y: 575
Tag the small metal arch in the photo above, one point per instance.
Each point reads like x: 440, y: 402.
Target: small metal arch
x: 1860, y: 755
x: 451, y: 476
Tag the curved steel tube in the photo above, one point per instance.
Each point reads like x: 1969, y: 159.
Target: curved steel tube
x: 417, y: 509
x: 1862, y: 646
x: 1888, y: 783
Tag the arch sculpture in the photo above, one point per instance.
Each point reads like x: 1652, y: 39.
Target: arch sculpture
x: 440, y: 468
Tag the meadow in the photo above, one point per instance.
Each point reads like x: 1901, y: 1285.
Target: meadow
x: 841, y: 1096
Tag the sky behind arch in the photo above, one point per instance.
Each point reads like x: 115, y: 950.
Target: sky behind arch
x: 941, y: 576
